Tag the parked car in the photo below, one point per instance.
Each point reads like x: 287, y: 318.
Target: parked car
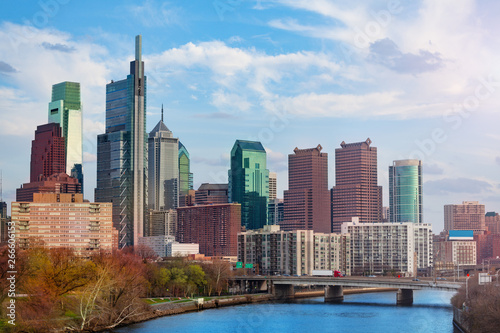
x: 415, y: 279
x: 372, y: 276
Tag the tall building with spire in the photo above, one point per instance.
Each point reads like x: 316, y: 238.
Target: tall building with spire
x: 405, y: 191
x: 249, y: 182
x: 356, y: 192
x: 122, y: 152
x: 163, y: 168
x: 65, y: 109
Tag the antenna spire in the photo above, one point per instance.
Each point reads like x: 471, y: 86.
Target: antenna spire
x: 162, y: 112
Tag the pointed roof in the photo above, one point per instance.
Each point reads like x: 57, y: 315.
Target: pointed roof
x: 160, y: 127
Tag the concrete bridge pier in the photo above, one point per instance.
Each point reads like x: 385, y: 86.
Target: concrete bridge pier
x: 404, y: 297
x: 284, y: 291
x: 334, y: 294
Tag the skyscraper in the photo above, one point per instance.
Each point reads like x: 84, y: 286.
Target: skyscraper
x: 121, y: 152
x: 47, y: 152
x: 467, y: 216
x: 185, y: 175
x: 163, y: 168
x: 356, y: 193
x: 405, y: 191
x: 249, y: 182
x: 65, y: 109
x: 273, y: 182
x: 307, y: 198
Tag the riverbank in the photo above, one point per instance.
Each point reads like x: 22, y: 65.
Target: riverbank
x: 169, y: 309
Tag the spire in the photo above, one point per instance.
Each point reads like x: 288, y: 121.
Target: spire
x: 162, y: 112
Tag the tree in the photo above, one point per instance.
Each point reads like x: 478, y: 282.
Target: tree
x: 218, y: 274
x: 196, y: 279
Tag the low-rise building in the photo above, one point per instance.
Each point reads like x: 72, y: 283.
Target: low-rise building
x: 295, y: 252
x: 166, y: 246
x: 64, y: 220
x: 457, y: 248
x: 380, y: 248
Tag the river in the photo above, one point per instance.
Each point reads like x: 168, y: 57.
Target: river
x: 376, y: 312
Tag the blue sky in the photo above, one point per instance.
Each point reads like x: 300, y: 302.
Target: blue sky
x: 421, y: 79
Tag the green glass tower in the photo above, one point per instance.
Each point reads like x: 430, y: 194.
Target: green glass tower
x: 249, y: 182
x: 185, y: 175
x: 405, y: 191
x: 65, y: 109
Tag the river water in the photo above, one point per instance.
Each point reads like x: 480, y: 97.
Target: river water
x: 376, y: 312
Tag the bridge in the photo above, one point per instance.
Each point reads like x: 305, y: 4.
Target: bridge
x: 282, y: 287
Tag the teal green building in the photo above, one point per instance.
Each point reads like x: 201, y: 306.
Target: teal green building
x: 249, y: 182
x: 185, y: 175
x: 405, y: 191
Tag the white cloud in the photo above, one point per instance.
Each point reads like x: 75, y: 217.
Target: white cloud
x: 89, y: 158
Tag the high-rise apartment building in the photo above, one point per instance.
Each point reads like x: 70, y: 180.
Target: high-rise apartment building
x: 273, y: 183
x: 122, y: 152
x: 57, y: 183
x: 294, y: 252
x: 65, y: 109
x: 64, y: 220
x: 467, y: 216
x: 214, y: 227
x: 356, y: 193
x: 405, y: 191
x: 47, y: 152
x: 249, y: 182
x: 307, y: 198
x: 492, y: 221
x: 378, y: 248
x: 211, y: 194
x: 185, y: 174
x: 163, y: 168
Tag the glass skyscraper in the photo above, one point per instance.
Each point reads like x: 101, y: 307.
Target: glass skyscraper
x: 405, y: 191
x: 185, y: 175
x: 65, y: 109
x: 249, y: 182
x: 163, y: 168
x: 122, y: 152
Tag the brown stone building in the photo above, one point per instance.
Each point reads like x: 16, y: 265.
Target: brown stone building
x: 214, y: 227
x: 467, y: 216
x: 306, y: 202
x: 57, y: 183
x: 356, y: 192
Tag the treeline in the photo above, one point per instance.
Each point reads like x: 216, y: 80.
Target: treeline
x: 481, y: 309
x: 59, y: 291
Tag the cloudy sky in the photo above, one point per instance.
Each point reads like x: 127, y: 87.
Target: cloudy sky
x: 421, y: 79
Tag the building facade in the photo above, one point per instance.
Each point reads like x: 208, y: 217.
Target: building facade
x: 249, y: 182
x: 405, y: 191
x: 381, y: 248
x: 307, y: 202
x: 166, y: 246
x: 356, y: 192
x: 163, y: 168
x: 211, y: 194
x: 273, y: 185
x: 214, y: 227
x: 296, y: 252
x: 47, y: 152
x: 185, y: 175
x: 276, y: 212
x: 470, y: 215
x: 57, y: 183
x: 122, y: 152
x: 62, y: 220
x: 161, y: 223
x: 65, y: 109
x: 492, y: 222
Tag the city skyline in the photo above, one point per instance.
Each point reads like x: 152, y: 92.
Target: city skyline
x: 223, y: 84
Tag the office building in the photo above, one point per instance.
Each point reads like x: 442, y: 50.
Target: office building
x: 4, y: 219
x: 163, y: 168
x: 275, y: 212
x: 161, y: 223
x: 273, y: 185
x: 492, y: 222
x: 456, y: 249
x: 276, y: 252
x: 166, y: 246
x: 65, y: 109
x: 57, y: 183
x: 307, y: 202
x: 249, y: 182
x: 379, y: 248
x: 63, y: 220
x: 467, y: 216
x: 214, y: 227
x: 211, y: 194
x: 405, y: 191
x: 356, y: 193
x: 47, y: 152
x: 185, y: 175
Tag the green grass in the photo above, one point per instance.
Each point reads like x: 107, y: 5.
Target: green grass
x: 71, y: 314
